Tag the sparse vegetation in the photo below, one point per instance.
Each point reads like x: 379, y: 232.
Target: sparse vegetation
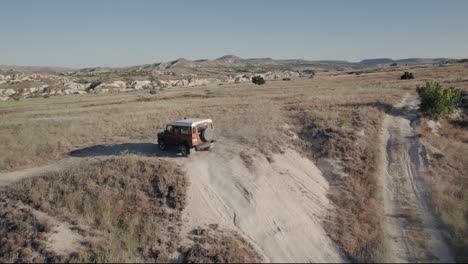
x: 438, y: 101
x: 93, y: 86
x: 215, y: 246
x: 16, y: 97
x: 135, y: 202
x: 334, y: 110
x: 448, y: 181
x: 258, y: 80
x: 22, y: 235
x: 128, y: 209
x: 407, y: 76
x: 355, y: 222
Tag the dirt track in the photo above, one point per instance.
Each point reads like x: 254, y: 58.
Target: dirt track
x: 402, y: 172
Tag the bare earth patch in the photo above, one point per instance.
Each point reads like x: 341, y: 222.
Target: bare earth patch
x: 412, y: 232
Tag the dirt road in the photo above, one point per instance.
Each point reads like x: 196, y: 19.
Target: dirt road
x: 402, y: 172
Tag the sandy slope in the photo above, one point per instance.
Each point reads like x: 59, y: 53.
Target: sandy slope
x: 278, y: 206
x: 402, y: 175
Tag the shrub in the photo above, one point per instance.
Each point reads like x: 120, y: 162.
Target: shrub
x: 152, y: 91
x: 16, y: 97
x: 258, y: 80
x: 407, y: 76
x: 93, y: 86
x: 438, y: 101
x: 394, y: 64
x: 286, y: 79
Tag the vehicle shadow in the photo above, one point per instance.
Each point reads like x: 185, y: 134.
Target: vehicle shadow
x: 139, y: 149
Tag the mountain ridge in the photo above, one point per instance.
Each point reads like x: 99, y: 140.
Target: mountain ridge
x: 230, y: 60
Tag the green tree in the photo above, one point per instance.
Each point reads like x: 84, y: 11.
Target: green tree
x: 407, y: 76
x: 258, y: 80
x: 438, y: 101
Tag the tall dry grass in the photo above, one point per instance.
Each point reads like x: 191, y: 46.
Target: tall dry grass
x: 447, y: 154
x: 133, y: 203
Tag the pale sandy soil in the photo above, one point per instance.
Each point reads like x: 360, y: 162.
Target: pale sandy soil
x: 279, y: 206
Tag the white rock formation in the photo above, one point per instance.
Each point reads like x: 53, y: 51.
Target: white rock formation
x: 138, y: 85
x: 9, y: 92
x: 75, y: 86
x: 118, y: 84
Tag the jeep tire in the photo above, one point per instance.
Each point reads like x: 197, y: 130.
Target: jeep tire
x: 162, y: 145
x: 184, y: 150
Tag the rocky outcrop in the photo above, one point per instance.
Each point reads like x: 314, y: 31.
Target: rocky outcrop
x: 61, y: 84
x: 138, y: 85
x: 7, y: 92
x: 116, y: 84
x: 35, y: 90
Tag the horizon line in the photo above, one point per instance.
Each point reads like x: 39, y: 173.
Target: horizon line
x: 180, y: 58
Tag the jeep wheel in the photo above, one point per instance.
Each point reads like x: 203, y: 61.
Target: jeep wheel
x: 162, y: 145
x: 184, y: 149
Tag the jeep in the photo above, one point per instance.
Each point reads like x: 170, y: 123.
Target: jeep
x: 186, y: 134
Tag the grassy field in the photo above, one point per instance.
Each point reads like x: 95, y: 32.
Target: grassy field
x: 336, y: 115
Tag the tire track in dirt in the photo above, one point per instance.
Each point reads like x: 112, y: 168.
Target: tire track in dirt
x: 401, y: 177
x: 279, y: 206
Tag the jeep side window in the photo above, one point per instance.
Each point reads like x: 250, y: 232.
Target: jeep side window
x: 177, y: 130
x: 170, y: 129
x: 185, y: 130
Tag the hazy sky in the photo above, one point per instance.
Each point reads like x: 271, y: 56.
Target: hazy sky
x: 119, y: 33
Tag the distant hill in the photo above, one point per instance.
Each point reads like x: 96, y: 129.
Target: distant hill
x: 228, y: 61
x: 41, y: 69
x: 378, y: 61
x: 409, y: 61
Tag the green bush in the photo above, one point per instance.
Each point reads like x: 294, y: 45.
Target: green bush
x: 407, y: 76
x: 16, y: 97
x: 93, y: 86
x: 258, y: 80
x: 438, y: 101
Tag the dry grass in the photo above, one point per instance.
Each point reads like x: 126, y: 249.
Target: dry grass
x: 127, y: 208
x: 355, y: 222
x: 215, y: 246
x: 447, y: 155
x: 341, y: 110
x: 134, y: 203
x: 22, y: 235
